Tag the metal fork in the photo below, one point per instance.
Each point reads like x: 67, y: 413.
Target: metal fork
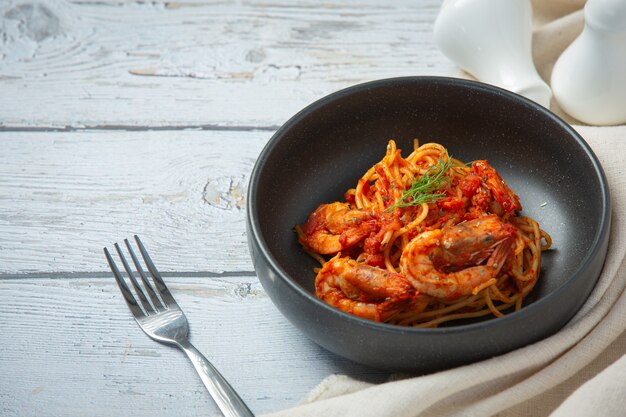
x: 160, y: 317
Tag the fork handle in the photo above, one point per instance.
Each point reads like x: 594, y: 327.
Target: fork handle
x: 224, y: 395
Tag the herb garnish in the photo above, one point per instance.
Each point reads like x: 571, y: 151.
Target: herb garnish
x: 424, y: 189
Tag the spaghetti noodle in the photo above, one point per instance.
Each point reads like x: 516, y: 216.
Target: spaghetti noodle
x: 425, y: 240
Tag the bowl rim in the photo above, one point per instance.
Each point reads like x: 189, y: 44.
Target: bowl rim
x: 528, y: 310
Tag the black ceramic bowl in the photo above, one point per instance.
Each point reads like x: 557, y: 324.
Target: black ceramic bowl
x: 325, y: 148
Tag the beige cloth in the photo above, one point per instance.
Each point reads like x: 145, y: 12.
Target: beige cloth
x: 580, y: 371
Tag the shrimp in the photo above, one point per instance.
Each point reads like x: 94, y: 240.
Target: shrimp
x: 336, y: 226
x: 446, y: 263
x: 362, y: 290
x: 499, y: 189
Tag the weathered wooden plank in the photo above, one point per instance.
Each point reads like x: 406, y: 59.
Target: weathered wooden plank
x: 65, y: 195
x: 200, y: 63
x: 70, y: 347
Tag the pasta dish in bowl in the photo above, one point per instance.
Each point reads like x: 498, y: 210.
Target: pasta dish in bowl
x: 425, y: 240
x: 484, y: 236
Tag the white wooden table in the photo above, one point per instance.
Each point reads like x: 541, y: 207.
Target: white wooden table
x: 120, y: 117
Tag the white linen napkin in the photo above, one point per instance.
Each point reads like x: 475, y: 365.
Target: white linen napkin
x: 580, y: 371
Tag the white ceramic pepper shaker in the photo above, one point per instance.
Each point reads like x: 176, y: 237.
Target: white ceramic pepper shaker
x: 491, y: 40
x: 589, y: 78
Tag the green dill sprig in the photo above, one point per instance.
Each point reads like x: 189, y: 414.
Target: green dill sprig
x: 425, y: 189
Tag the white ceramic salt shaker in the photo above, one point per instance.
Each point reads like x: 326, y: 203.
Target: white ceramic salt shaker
x: 589, y: 78
x: 491, y: 40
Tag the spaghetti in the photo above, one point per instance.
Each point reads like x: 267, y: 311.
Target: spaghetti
x: 425, y: 240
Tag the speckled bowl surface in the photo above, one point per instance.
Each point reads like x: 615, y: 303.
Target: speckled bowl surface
x: 325, y: 148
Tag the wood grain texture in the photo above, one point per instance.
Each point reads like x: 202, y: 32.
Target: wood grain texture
x: 120, y: 63
x: 162, y: 108
x: 65, y: 195
x: 74, y: 350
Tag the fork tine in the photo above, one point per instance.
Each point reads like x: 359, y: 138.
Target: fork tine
x: 142, y: 297
x: 166, y: 295
x: 155, y: 299
x: 128, y: 296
